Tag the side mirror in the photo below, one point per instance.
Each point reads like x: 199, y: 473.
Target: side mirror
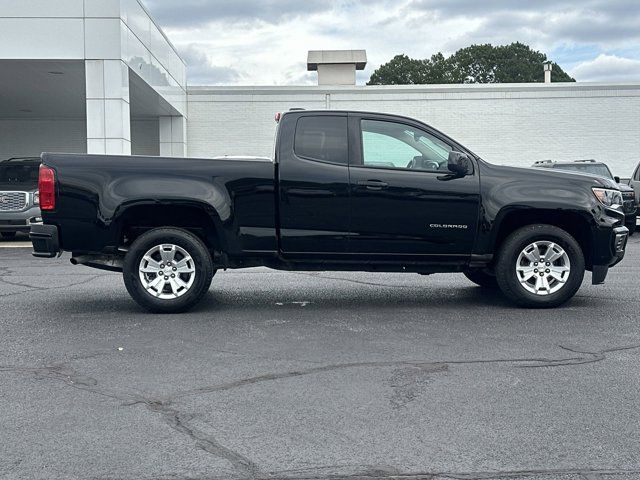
x: 459, y: 164
x: 616, y: 179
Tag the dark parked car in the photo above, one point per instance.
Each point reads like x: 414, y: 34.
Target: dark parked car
x: 345, y: 191
x: 18, y: 195
x: 593, y: 167
x: 634, y: 183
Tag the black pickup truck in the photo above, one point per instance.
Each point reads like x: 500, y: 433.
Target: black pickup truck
x: 345, y: 191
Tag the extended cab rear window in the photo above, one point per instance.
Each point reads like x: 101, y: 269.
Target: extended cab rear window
x: 322, y: 138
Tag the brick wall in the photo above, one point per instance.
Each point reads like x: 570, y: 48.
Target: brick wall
x: 505, y: 124
x: 31, y: 137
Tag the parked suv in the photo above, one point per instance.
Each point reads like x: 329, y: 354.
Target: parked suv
x: 593, y: 167
x: 19, y: 199
x: 635, y: 184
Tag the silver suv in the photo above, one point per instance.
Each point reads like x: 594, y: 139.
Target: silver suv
x: 19, y: 202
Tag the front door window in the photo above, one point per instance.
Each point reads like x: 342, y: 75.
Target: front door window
x: 399, y: 146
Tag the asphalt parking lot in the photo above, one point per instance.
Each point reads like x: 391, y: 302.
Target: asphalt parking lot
x: 315, y: 376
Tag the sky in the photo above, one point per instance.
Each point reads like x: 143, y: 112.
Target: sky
x: 265, y: 42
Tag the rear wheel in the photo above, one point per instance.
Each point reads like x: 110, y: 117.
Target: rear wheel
x: 540, y: 266
x: 482, y: 278
x: 8, y: 235
x: 167, y: 270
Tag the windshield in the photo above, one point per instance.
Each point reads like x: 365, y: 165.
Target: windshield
x: 19, y: 173
x: 598, y: 169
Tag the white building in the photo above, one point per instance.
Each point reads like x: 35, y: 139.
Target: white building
x: 99, y: 76
x: 95, y: 76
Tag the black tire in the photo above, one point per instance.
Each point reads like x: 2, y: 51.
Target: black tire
x: 202, y: 265
x: 482, y: 278
x: 8, y: 235
x: 507, y: 262
x: 632, y: 228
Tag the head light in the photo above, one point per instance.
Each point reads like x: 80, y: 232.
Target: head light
x: 36, y: 198
x: 609, y: 198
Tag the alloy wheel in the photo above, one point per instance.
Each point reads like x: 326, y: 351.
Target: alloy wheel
x: 167, y: 271
x: 543, y: 267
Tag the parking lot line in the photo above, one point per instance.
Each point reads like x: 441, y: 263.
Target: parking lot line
x: 15, y: 245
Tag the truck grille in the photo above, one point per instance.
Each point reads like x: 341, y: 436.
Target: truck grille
x: 13, y: 201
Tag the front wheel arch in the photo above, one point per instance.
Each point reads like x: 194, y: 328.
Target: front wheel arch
x: 574, y: 223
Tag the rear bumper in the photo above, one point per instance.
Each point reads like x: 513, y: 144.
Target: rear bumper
x: 612, y: 252
x: 45, y: 240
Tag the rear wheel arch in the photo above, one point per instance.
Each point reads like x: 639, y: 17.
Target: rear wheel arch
x: 198, y: 219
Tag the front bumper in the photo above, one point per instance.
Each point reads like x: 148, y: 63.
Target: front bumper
x: 630, y: 219
x: 612, y: 252
x: 20, y: 221
x: 45, y: 240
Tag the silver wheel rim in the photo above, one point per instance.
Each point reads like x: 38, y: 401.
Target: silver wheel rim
x: 543, y: 268
x: 167, y: 271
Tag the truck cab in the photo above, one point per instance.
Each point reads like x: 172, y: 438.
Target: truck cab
x: 372, y: 185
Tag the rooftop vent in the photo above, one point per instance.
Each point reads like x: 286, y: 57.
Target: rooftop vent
x: 336, y: 67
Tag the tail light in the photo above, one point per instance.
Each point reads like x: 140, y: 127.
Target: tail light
x: 47, y: 188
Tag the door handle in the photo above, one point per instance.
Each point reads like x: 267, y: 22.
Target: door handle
x: 373, y: 184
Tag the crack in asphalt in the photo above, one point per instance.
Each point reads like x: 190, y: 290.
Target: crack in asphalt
x: 67, y: 375
x: 373, y: 474
x: 269, y: 377
x: 590, y: 357
x: 247, y: 469
x: 32, y: 288
x: 171, y: 416
x: 181, y: 422
x: 586, y: 473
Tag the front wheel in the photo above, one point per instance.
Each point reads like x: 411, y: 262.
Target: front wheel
x: 167, y: 270
x: 540, y: 266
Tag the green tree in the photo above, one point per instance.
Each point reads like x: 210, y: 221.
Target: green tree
x: 515, y: 63
x: 400, y: 70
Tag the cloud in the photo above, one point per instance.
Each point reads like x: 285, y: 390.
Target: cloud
x: 450, y: 8
x: 265, y: 42
x: 608, y: 68
x: 188, y: 13
x: 611, y: 22
x: 201, y: 72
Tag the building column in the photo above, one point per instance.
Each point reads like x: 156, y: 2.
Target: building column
x: 108, y: 112
x: 173, y: 136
